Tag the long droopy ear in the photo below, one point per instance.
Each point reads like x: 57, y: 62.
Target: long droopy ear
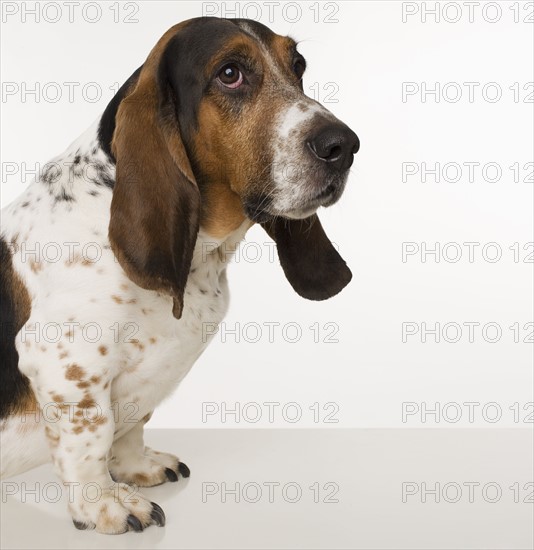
x: 155, y: 207
x: 310, y: 262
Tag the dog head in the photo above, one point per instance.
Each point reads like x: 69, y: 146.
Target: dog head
x: 215, y: 129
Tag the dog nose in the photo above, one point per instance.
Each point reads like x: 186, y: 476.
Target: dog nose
x: 335, y: 144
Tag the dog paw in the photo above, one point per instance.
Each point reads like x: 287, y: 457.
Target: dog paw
x: 117, y: 509
x: 148, y: 469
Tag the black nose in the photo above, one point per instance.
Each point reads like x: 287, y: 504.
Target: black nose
x: 335, y: 144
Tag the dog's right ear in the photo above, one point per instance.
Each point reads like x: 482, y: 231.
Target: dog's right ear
x: 155, y: 209
x: 310, y: 262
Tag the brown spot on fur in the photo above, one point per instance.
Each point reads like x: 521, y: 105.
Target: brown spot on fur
x: 103, y: 350
x: 152, y: 340
x: 140, y: 479
x: 137, y: 344
x: 74, y: 372
x: 75, y: 259
x: 98, y: 422
x: 77, y: 430
x: 106, y: 385
x: 63, y: 354
x: 86, y: 402
x: 95, y: 379
x: 83, y: 385
x: 116, y: 299
x: 13, y: 243
x: 58, y: 398
x: 36, y: 266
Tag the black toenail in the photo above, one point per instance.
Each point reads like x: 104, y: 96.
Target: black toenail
x: 79, y: 525
x: 134, y: 523
x: 157, y: 514
x: 183, y: 469
x: 171, y: 474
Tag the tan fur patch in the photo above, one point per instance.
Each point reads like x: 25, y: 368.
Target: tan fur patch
x: 74, y: 372
x: 237, y: 160
x: 86, y: 402
x: 137, y: 344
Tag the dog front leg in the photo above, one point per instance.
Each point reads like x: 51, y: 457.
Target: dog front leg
x: 80, y: 429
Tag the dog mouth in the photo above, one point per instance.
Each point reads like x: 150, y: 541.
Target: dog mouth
x: 264, y: 207
x: 327, y: 192
x: 257, y: 208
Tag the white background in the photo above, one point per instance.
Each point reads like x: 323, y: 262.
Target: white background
x: 369, y: 53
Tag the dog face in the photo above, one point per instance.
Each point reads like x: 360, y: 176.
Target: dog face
x: 213, y: 130
x: 248, y: 124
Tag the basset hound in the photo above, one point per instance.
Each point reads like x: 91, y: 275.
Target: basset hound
x: 105, y: 280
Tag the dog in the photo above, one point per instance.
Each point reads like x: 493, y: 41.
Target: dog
x: 212, y: 134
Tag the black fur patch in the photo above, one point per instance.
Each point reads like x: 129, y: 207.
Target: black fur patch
x: 14, y: 386
x: 63, y: 196
x: 107, y: 122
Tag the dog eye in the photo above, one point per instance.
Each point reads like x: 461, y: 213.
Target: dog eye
x: 230, y: 76
x: 298, y: 68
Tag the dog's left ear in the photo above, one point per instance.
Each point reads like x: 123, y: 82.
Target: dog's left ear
x: 310, y: 262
